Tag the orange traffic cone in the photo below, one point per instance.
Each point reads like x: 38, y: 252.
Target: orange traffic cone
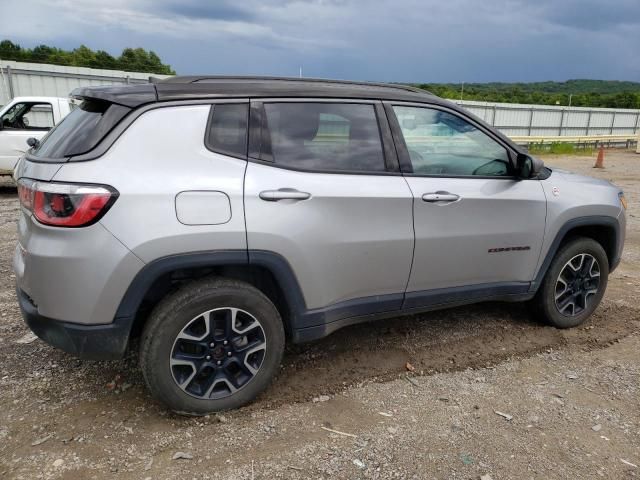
x: 600, y: 160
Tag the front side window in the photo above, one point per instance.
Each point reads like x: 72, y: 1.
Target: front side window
x: 227, y: 133
x: 28, y: 116
x: 440, y: 143
x: 323, y: 137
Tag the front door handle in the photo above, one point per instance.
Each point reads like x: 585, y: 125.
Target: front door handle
x: 444, y: 197
x: 284, y: 194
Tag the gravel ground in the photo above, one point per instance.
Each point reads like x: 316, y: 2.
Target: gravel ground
x: 494, y: 394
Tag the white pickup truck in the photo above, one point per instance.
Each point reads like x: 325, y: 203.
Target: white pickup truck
x: 26, y: 117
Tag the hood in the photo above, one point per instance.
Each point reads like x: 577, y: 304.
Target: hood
x: 572, y: 177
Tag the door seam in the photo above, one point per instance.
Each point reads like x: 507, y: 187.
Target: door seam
x: 413, y: 230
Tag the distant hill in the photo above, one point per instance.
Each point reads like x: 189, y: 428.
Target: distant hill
x: 584, y: 93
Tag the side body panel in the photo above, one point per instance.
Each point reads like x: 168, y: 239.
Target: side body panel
x: 492, y: 234
x: 575, y: 198
x: 160, y: 156
x: 352, y: 238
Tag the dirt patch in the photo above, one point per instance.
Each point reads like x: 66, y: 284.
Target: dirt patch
x: 451, y: 340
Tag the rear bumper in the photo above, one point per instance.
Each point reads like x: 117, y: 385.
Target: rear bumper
x: 91, y: 342
x: 76, y: 274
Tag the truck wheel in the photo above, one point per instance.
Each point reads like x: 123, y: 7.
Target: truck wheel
x: 213, y: 345
x: 574, y: 284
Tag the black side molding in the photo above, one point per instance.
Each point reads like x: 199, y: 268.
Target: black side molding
x: 440, y: 296
x: 421, y: 302
x: 153, y: 270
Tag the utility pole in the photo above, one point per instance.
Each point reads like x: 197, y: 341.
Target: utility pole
x: 300, y: 73
x: 462, y: 91
x: 570, y: 95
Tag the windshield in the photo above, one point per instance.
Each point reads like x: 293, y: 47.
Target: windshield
x: 80, y: 130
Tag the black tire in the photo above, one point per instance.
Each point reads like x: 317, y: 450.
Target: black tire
x: 559, y: 312
x: 188, y: 308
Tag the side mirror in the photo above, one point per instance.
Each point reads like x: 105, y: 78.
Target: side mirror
x: 527, y: 166
x: 33, y: 142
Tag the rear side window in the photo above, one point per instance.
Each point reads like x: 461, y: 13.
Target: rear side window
x: 80, y: 130
x: 227, y: 129
x: 323, y: 137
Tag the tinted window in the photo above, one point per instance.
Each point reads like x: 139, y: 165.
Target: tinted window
x: 324, y: 136
x: 80, y: 130
x: 227, y: 132
x: 441, y: 143
x: 28, y: 116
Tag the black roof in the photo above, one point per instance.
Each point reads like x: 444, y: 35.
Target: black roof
x: 204, y: 87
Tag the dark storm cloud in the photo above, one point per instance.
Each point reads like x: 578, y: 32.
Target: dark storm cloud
x: 217, y: 10
x: 592, y: 14
x: 396, y: 40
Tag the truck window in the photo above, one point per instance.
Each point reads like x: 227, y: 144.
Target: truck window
x: 28, y: 116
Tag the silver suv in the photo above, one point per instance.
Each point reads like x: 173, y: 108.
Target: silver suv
x: 216, y: 218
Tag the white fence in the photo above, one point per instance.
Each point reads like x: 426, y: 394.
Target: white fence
x: 26, y: 79
x: 543, y: 120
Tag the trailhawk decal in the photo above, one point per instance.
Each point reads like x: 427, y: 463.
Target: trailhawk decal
x: 509, y: 249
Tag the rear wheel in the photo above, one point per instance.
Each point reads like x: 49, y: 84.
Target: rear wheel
x: 212, y: 345
x: 574, y: 284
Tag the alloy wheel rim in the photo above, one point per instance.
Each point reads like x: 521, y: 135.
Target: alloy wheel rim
x: 218, y: 353
x: 577, y: 283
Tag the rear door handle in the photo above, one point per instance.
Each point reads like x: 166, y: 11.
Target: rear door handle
x: 440, y: 197
x: 284, y: 194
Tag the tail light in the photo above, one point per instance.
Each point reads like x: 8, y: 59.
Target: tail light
x: 65, y: 204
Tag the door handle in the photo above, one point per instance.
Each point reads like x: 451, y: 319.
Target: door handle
x: 440, y: 197
x: 283, y: 194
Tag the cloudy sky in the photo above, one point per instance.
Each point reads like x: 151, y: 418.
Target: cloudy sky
x: 384, y: 40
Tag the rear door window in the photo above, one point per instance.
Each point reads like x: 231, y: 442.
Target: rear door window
x: 80, y: 130
x: 323, y: 137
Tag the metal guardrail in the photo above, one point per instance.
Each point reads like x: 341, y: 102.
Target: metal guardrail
x: 596, y: 140
x: 549, y: 120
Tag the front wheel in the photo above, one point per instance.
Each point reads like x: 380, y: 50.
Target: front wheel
x: 574, y: 284
x: 213, y: 345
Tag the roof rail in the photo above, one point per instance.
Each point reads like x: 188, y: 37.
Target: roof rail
x: 213, y: 78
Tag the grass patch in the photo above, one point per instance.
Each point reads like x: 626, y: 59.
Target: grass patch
x: 560, y: 148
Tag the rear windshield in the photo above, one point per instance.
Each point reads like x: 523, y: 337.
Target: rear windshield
x: 80, y: 130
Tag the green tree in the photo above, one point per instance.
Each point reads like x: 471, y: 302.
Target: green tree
x: 105, y: 60
x: 584, y: 93
x: 10, y: 50
x: 84, y: 57
x: 131, y: 59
